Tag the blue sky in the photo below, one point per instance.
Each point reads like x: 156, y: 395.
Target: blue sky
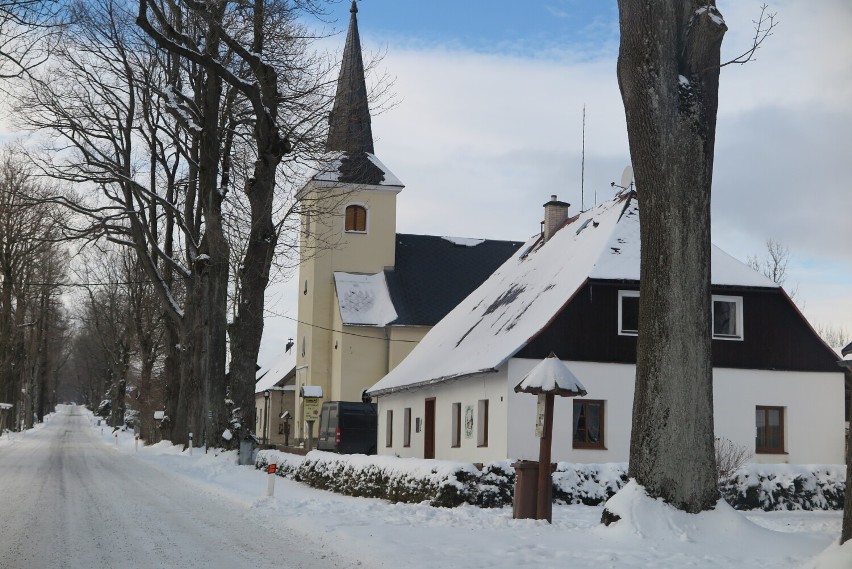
x: 519, y: 27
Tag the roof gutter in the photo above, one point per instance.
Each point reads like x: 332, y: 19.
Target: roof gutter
x: 429, y: 382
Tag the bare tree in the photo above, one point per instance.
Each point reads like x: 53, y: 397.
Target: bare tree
x: 27, y: 28
x: 281, y: 94
x: 30, y: 278
x: 774, y: 264
x: 211, y: 100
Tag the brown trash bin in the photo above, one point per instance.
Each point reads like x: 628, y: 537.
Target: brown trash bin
x: 526, y: 490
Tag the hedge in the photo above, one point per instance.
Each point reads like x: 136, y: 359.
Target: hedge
x: 450, y: 484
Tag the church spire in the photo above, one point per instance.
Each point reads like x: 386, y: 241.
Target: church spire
x: 349, y: 122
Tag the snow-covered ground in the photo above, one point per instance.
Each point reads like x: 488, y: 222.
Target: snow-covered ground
x: 373, y: 533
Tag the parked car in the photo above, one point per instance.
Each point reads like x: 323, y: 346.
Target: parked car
x: 348, y: 427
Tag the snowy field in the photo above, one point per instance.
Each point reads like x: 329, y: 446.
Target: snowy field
x: 373, y: 533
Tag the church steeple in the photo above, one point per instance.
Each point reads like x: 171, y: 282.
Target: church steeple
x: 349, y: 122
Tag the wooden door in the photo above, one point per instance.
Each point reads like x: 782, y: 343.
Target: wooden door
x: 429, y: 436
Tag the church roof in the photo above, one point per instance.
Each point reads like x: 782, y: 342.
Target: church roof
x: 430, y: 277
x: 360, y: 169
x: 432, y: 274
x: 349, y: 123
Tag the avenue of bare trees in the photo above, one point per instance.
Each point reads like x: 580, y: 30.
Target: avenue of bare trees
x: 174, y: 135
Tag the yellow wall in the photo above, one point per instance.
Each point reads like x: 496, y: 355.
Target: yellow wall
x: 357, y: 363
x: 403, y: 340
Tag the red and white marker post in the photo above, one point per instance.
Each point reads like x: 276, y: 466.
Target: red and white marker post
x: 270, y: 482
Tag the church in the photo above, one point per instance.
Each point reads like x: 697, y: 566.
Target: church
x: 367, y: 294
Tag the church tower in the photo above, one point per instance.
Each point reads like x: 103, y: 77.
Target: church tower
x: 348, y: 232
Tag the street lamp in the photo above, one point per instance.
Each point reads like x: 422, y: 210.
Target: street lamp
x: 266, y: 417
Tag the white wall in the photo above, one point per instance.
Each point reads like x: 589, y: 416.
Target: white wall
x: 612, y: 383
x: 813, y: 417
x: 813, y: 402
x: 468, y: 392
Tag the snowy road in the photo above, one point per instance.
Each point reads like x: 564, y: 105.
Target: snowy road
x: 68, y: 500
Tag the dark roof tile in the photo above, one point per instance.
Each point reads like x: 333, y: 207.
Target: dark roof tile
x: 433, y: 274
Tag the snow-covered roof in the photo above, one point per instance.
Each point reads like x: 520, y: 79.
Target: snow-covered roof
x: 620, y: 257
x: 364, y: 300
x: 279, y: 368
x: 527, y: 291
x: 464, y: 241
x: 312, y: 391
x: 551, y: 375
x: 357, y: 169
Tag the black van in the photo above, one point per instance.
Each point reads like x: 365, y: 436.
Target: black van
x: 348, y: 427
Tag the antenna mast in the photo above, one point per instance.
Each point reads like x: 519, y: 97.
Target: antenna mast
x: 583, y: 163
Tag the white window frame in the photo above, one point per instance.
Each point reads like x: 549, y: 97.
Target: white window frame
x: 738, y: 303
x: 621, y: 295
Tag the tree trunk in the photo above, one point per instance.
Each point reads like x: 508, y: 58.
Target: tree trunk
x: 668, y: 72
x: 846, y: 530
x: 247, y: 328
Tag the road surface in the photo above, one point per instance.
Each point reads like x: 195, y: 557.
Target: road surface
x: 69, y: 500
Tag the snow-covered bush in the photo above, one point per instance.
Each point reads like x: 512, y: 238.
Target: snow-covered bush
x: 589, y: 484
x: 440, y: 483
x: 786, y: 487
x: 411, y: 480
x: 286, y: 464
x: 496, y: 485
x: 449, y: 484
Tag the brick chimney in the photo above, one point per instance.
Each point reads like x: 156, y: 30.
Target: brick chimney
x: 555, y: 214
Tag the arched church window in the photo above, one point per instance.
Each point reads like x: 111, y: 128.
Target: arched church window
x: 356, y: 218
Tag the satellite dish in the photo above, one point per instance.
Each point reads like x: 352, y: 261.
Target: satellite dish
x: 627, y: 177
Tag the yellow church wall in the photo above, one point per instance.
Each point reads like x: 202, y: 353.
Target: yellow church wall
x: 356, y: 363
x: 403, y: 339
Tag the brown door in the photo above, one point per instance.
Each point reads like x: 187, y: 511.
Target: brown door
x: 429, y: 442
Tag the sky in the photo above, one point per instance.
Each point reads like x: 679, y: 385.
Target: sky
x: 488, y: 123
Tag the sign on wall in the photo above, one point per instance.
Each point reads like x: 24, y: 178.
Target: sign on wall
x: 468, y: 421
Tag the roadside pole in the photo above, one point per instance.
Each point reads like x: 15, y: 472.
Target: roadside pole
x: 270, y: 480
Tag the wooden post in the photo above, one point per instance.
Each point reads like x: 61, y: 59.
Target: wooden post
x: 543, y: 509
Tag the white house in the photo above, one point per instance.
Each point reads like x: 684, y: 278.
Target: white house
x: 274, y: 396
x: 574, y: 291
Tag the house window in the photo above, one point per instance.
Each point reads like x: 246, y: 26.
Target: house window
x: 456, y: 432
x: 406, y: 427
x: 628, y: 312
x: 389, y: 429
x: 588, y: 423
x: 770, y: 429
x: 727, y: 317
x: 482, y: 423
x: 356, y: 218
